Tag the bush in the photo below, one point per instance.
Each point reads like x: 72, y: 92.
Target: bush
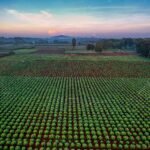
x: 99, y: 47
x: 90, y: 47
x: 143, y: 47
x: 11, y: 53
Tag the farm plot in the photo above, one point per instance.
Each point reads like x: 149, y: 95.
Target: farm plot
x: 49, y: 50
x: 74, y: 113
x: 57, y: 68
x: 5, y: 53
x: 93, y: 53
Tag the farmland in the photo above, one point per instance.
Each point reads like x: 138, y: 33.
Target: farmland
x: 74, y: 102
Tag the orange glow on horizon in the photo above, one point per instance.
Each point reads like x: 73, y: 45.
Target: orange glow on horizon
x: 53, y: 31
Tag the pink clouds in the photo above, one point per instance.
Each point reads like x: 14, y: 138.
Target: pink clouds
x: 46, y: 23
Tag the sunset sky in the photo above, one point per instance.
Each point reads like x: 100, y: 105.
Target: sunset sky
x: 102, y: 18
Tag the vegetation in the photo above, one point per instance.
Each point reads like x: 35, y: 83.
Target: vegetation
x: 126, y: 44
x: 69, y: 113
x: 143, y: 47
x: 74, y: 68
x: 25, y: 51
x: 74, y: 42
x: 74, y: 102
x: 6, y: 53
x: 99, y: 47
x: 90, y: 47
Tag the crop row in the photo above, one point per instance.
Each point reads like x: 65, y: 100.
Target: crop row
x: 74, y: 113
x: 76, y: 69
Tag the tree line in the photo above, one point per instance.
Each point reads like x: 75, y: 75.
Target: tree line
x: 141, y: 46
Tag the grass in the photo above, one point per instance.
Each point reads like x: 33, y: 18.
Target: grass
x: 24, y: 51
x: 32, y: 57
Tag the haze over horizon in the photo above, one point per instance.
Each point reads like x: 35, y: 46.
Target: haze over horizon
x: 105, y: 18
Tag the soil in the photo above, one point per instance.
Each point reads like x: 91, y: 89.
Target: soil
x: 106, y: 53
x: 57, y: 50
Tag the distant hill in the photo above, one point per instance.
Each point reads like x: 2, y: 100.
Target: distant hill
x: 53, y: 39
x: 60, y: 39
x: 68, y: 39
x: 61, y: 36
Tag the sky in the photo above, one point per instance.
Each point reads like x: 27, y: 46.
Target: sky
x: 99, y: 18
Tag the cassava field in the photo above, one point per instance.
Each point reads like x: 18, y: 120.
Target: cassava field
x: 74, y: 102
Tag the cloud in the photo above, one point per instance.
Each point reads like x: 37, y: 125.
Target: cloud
x: 47, y: 23
x: 41, y: 17
x: 47, y: 19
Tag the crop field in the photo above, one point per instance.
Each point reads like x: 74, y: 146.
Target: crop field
x: 75, y: 66
x: 74, y: 102
x: 77, y: 69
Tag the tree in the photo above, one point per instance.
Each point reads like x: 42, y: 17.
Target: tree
x: 128, y: 42
x: 99, y: 47
x: 143, y: 47
x: 74, y: 43
x: 90, y: 47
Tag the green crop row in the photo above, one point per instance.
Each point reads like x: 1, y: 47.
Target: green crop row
x: 74, y: 113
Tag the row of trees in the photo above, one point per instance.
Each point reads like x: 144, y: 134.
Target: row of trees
x: 112, y: 44
x: 97, y: 47
x: 126, y: 43
x: 143, y: 47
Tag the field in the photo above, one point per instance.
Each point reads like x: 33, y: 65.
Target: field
x: 74, y: 102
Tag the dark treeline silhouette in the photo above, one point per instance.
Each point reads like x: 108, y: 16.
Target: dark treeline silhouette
x: 74, y: 42
x: 105, y: 44
x: 90, y: 47
x: 141, y: 46
x: 126, y: 43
